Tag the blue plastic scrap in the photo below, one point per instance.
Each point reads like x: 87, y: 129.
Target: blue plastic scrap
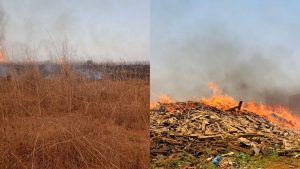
x: 217, y: 160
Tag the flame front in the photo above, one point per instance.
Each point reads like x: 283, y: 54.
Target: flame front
x: 217, y: 99
x: 279, y: 115
x: 163, y: 98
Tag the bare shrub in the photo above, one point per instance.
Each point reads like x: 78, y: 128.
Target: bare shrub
x: 68, y: 121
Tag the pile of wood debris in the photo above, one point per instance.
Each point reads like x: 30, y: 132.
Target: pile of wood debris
x: 202, y: 132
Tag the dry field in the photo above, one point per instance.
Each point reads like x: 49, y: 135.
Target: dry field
x: 67, y: 121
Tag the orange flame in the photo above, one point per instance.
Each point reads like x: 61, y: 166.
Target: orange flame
x: 163, y: 98
x: 153, y: 104
x: 214, y: 87
x: 279, y: 115
x: 218, y: 100
x: 2, y: 57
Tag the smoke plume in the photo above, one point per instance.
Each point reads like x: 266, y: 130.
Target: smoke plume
x: 2, y: 25
x: 99, y: 30
x: 243, y: 70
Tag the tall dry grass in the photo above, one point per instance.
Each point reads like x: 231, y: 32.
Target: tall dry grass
x: 67, y: 121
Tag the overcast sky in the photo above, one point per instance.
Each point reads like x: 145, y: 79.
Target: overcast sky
x: 251, y: 48
x: 93, y: 29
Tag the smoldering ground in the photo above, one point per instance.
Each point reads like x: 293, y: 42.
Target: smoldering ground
x: 243, y: 70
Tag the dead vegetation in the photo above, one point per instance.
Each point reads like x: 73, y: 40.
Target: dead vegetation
x: 67, y: 121
x: 192, y: 134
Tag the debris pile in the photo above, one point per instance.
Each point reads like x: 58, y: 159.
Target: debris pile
x: 202, y: 132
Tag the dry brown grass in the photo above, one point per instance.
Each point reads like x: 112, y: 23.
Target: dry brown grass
x: 69, y: 122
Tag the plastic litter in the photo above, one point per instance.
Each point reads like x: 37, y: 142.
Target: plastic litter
x: 217, y: 160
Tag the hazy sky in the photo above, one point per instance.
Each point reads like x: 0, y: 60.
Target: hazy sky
x: 93, y: 29
x: 251, y: 48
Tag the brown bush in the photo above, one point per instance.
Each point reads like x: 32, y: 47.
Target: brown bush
x: 67, y: 121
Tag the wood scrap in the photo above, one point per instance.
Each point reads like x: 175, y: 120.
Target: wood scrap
x: 203, y: 132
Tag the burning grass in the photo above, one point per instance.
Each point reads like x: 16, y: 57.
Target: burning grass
x: 67, y: 121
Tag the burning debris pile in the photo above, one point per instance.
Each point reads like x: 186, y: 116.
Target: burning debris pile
x: 200, y: 132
